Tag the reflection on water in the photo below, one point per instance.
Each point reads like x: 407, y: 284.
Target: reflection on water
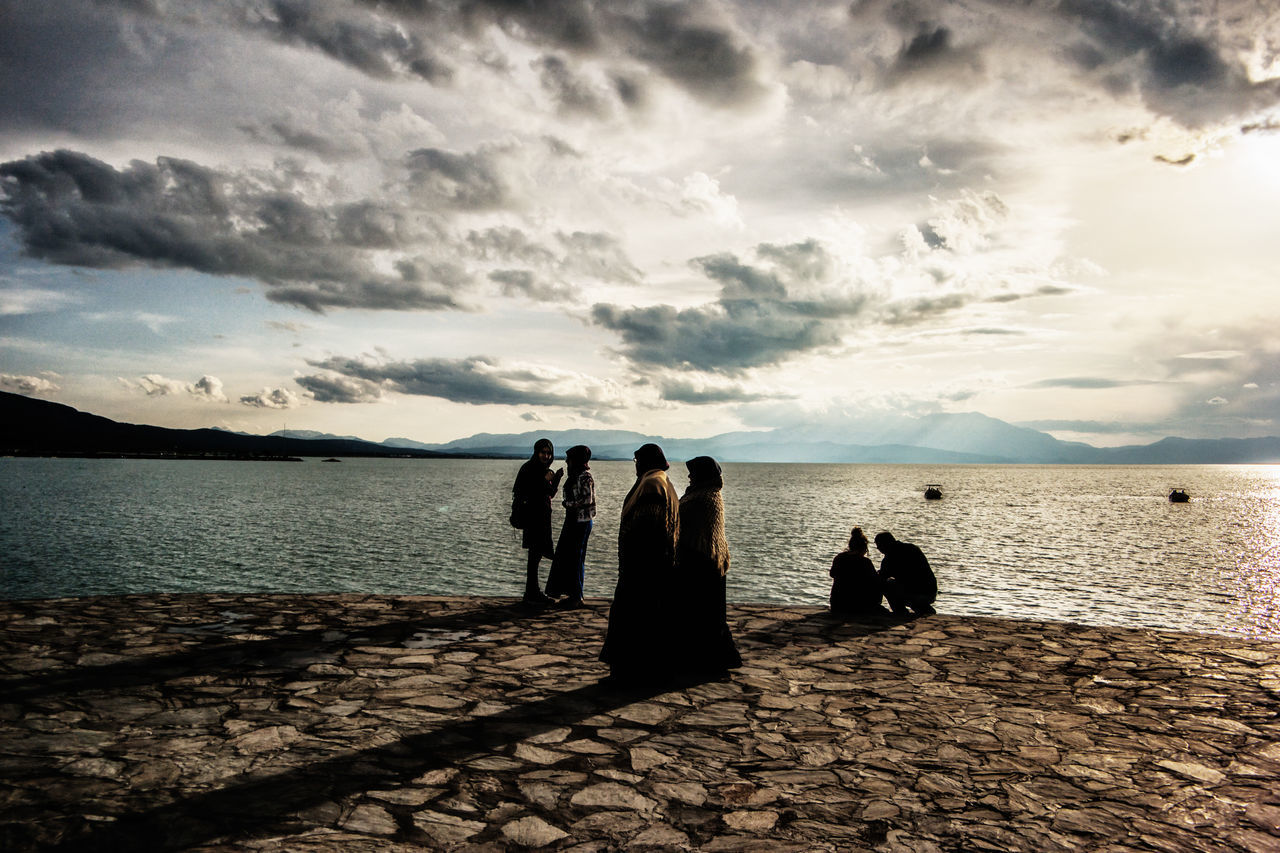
x: 1099, y: 545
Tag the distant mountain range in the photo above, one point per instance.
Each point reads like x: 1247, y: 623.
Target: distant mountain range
x: 31, y: 426
x: 931, y: 439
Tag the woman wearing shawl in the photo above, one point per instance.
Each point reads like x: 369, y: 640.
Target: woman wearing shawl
x: 702, y: 561
x: 635, y: 646
x: 567, y: 569
x: 535, y: 485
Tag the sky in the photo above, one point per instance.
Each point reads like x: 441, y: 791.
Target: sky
x: 432, y: 218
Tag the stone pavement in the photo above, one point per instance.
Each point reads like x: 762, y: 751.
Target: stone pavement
x: 389, y: 723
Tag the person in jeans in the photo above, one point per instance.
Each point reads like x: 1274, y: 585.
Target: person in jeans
x: 579, y: 500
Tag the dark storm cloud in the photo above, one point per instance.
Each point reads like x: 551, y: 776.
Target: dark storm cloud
x: 585, y: 255
x: 1184, y: 66
x: 301, y: 139
x: 470, y: 181
x: 702, y: 56
x: 693, y: 44
x: 572, y: 93
x: 756, y: 320
x: 1182, y: 59
x: 530, y: 285
x: 505, y: 243
x: 72, y: 209
x: 807, y: 261
x: 335, y: 388
x: 568, y: 24
x: 61, y: 63
x: 726, y: 337
x: 477, y: 380
x: 739, y: 280
x: 348, y: 34
x: 1171, y: 57
x: 689, y: 44
x: 679, y: 391
x: 932, y: 52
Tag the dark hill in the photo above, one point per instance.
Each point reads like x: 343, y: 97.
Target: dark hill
x: 30, y: 427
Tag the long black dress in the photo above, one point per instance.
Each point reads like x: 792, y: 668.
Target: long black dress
x: 702, y: 559
x: 637, y: 644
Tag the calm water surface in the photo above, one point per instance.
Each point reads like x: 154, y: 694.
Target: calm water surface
x: 1097, y: 545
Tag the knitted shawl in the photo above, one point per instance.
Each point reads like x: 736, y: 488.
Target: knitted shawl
x: 651, y: 509
x: 702, y: 541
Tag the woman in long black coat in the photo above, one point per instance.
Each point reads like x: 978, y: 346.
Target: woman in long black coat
x: 535, y: 485
x: 638, y: 643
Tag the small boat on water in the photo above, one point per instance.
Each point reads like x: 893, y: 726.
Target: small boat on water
x: 1179, y: 496
x: 933, y: 492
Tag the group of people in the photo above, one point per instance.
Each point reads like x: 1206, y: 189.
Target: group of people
x: 668, y: 612
x: 905, y: 578
x: 672, y: 560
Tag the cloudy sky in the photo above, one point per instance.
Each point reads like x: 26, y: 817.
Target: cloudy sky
x: 431, y: 218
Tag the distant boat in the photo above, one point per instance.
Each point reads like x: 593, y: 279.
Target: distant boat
x: 331, y: 459
x: 1179, y: 496
x: 933, y: 492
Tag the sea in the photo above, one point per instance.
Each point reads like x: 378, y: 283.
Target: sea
x: 1096, y: 545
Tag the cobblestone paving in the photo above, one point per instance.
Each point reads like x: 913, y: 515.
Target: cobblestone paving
x: 350, y: 723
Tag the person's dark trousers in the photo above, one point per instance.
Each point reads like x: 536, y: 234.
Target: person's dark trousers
x: 900, y: 600
x: 532, y: 589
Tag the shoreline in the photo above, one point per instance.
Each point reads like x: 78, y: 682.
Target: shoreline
x: 348, y: 722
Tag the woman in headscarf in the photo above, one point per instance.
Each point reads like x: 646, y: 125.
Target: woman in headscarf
x: 702, y: 561
x: 636, y: 646
x: 568, y: 567
x: 531, y: 495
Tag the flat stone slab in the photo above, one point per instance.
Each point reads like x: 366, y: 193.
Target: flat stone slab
x: 351, y: 722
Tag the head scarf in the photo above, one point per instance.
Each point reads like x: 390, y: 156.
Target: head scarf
x: 539, y: 444
x: 704, y: 473
x: 578, y: 456
x: 650, y: 457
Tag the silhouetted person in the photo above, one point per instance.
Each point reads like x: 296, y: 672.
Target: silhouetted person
x: 702, y: 561
x: 637, y: 645
x: 535, y: 485
x: 579, y: 500
x: 855, y: 587
x: 906, y: 577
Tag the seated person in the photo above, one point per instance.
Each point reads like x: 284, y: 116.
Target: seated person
x: 908, y: 580
x: 855, y: 586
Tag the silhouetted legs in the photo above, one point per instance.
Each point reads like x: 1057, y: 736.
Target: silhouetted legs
x: 532, y: 589
x: 901, y: 599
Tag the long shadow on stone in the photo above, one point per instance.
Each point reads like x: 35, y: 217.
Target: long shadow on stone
x: 267, y: 803
x: 292, y: 651
x: 821, y: 627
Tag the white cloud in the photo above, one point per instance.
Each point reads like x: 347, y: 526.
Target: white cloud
x: 272, y: 398
x: 206, y: 388
x: 28, y: 385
